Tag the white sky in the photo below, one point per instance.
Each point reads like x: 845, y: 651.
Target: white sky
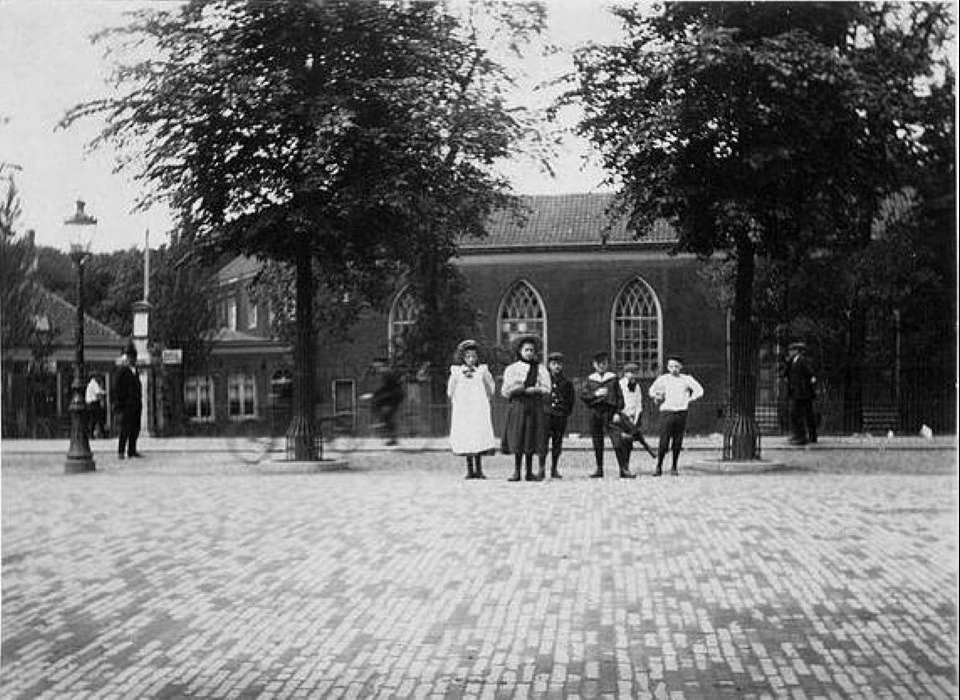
x: 48, y: 64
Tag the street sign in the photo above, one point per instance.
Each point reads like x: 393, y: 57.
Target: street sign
x: 172, y: 356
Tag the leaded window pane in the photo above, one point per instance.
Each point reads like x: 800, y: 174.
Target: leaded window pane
x: 521, y: 314
x: 636, y: 328
x: 403, y: 316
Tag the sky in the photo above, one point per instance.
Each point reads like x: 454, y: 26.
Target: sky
x: 48, y: 65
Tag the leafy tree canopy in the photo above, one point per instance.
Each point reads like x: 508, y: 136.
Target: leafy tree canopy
x: 17, y: 257
x: 332, y: 130
x: 778, y: 124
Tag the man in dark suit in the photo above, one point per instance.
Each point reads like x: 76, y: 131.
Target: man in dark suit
x: 801, y: 390
x: 128, y: 402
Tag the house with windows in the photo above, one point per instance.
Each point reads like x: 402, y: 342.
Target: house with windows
x: 245, y: 385
x: 37, y: 381
x: 553, y: 275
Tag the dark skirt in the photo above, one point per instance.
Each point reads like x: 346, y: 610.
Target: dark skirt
x: 525, y: 431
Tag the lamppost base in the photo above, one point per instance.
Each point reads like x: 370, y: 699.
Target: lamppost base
x: 79, y: 456
x: 79, y: 465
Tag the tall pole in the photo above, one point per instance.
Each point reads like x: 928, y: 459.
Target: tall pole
x: 79, y: 456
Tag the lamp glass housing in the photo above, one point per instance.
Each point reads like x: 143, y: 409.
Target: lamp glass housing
x: 81, y: 228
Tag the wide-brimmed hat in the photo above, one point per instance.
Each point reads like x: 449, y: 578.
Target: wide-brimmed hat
x: 465, y: 345
x: 797, y: 345
x: 557, y: 356
x: 631, y: 367
x: 601, y: 355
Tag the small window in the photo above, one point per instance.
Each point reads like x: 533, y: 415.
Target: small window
x: 241, y: 396
x: 198, y: 399
x: 232, y: 314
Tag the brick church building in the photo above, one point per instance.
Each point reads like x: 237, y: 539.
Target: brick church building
x: 553, y: 276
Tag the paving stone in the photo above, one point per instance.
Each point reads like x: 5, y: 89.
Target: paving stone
x: 200, y: 575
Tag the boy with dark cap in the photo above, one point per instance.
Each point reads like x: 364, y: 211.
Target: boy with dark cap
x: 602, y: 394
x: 558, y: 408
x: 630, y: 416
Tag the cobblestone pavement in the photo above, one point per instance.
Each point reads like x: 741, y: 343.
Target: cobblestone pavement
x: 828, y: 573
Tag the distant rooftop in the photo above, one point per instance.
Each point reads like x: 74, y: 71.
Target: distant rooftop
x: 61, y: 316
x: 563, y: 221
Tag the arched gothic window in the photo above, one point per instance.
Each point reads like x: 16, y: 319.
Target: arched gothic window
x: 637, y: 328
x: 403, y: 315
x: 521, y: 313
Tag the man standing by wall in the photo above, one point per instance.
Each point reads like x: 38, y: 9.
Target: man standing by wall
x: 801, y: 390
x: 128, y: 403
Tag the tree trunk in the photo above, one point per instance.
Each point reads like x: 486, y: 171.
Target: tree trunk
x: 741, y: 439
x: 303, y: 436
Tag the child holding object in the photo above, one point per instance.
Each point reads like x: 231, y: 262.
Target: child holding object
x: 601, y: 393
x: 469, y: 388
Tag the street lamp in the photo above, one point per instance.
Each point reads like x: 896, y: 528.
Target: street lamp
x: 80, y: 229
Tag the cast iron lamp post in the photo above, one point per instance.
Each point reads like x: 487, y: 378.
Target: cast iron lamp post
x: 80, y: 228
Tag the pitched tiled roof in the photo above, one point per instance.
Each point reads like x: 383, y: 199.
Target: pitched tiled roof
x: 562, y: 221
x: 565, y: 220
x: 241, y: 267
x: 62, y: 316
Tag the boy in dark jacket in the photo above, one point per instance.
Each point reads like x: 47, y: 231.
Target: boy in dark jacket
x: 602, y: 395
x: 559, y: 407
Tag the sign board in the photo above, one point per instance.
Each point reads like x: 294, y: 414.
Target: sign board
x: 172, y: 356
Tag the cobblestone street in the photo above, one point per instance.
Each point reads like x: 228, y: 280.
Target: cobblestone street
x: 831, y: 573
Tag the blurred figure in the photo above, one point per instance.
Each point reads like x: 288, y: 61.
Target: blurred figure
x: 386, y: 399
x: 801, y: 390
x: 96, y: 408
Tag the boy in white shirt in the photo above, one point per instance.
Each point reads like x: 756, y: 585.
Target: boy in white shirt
x: 673, y: 392
x: 630, y: 416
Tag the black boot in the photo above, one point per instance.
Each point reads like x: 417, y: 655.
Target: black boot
x: 529, y: 470
x: 554, y: 469
x: 478, y: 469
x: 625, y: 473
x: 470, y: 472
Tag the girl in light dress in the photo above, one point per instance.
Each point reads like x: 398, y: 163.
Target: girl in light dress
x: 469, y: 388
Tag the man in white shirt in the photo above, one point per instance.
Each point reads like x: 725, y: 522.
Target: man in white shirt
x: 673, y: 392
